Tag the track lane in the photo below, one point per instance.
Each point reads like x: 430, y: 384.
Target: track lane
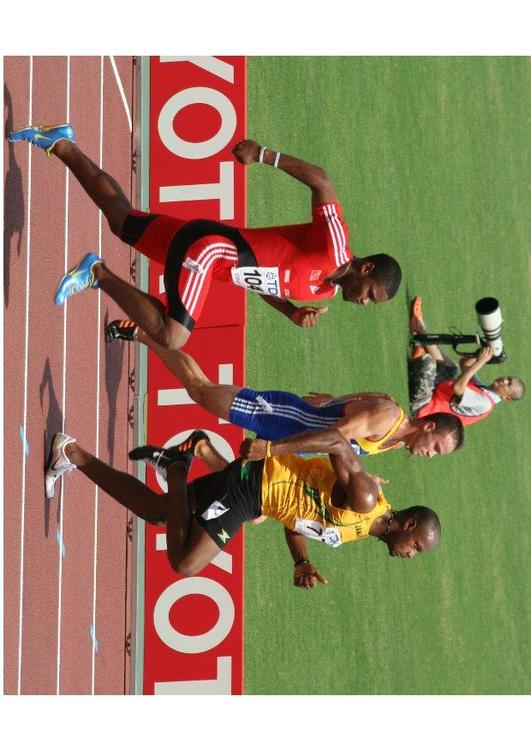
x: 44, y: 656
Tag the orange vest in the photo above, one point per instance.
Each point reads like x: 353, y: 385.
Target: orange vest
x: 442, y: 402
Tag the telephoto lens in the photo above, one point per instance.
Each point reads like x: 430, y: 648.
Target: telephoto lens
x: 490, y: 319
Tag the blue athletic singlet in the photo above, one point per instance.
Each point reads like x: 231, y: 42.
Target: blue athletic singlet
x: 274, y: 415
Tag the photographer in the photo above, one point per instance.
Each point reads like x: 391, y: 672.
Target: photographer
x: 437, y: 385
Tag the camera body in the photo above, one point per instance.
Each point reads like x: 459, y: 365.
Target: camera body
x: 490, y: 319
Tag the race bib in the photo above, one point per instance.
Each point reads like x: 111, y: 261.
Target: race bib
x: 257, y: 279
x: 315, y: 530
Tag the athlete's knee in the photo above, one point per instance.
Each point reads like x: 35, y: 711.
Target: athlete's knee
x: 171, y: 335
x: 171, y: 340
x: 186, y: 567
x: 116, y: 211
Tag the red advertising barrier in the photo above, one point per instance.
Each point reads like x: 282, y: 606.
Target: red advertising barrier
x: 193, y: 628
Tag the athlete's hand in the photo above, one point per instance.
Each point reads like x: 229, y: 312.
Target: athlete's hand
x: 246, y: 152
x: 317, y: 399
x: 307, y: 317
x: 306, y: 576
x: 379, y: 480
x: 253, y: 449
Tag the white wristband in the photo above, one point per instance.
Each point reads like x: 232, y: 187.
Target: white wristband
x: 277, y: 159
x: 263, y: 149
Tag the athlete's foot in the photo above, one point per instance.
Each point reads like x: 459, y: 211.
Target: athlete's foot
x: 193, y: 444
x: 121, y: 329
x: 78, y: 278
x: 162, y: 458
x: 58, y: 462
x: 44, y: 137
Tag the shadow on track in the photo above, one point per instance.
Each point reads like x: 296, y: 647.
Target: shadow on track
x: 113, y: 374
x: 54, y: 423
x: 14, y: 208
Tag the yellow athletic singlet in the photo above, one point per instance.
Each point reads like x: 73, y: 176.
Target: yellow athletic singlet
x: 373, y: 446
x: 298, y: 492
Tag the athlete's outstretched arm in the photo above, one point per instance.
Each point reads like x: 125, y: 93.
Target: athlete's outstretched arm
x: 304, y: 575
x: 326, y: 399
x: 323, y: 191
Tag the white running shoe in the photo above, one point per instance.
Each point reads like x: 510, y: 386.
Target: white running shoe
x: 58, y: 463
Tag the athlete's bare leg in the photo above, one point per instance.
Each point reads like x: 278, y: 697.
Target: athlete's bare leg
x: 124, y: 488
x: 103, y: 189
x: 214, y: 397
x: 100, y: 186
x: 212, y: 458
x: 190, y: 548
x: 145, y: 310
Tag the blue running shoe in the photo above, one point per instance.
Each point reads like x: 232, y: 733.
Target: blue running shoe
x: 78, y: 278
x: 43, y: 136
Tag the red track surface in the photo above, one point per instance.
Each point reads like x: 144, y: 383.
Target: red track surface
x: 66, y: 561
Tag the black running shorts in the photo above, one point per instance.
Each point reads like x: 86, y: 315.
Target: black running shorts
x: 172, y: 241
x: 227, y: 499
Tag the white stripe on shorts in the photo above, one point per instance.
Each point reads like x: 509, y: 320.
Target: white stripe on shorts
x: 294, y: 413
x: 206, y: 257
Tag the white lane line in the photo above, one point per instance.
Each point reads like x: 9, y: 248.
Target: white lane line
x: 63, y: 404
x: 25, y: 408
x: 122, y: 92
x: 97, y: 450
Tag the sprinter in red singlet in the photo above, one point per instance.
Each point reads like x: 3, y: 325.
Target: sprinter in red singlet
x: 303, y: 262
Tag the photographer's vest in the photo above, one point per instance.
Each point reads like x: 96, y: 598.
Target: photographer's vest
x: 442, y: 402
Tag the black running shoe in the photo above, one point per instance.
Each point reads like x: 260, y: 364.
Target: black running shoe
x: 162, y: 458
x: 121, y: 329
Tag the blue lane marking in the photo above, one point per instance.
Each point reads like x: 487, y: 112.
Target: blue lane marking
x: 92, y: 634
x: 25, y: 443
x: 60, y: 543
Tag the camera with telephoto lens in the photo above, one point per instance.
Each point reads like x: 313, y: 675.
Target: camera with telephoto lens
x: 490, y: 319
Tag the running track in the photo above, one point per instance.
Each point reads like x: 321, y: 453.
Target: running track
x: 67, y: 562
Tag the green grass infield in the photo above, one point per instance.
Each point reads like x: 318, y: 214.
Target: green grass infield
x: 430, y: 158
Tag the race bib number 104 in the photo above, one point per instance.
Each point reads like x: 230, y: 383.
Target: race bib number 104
x: 257, y: 279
